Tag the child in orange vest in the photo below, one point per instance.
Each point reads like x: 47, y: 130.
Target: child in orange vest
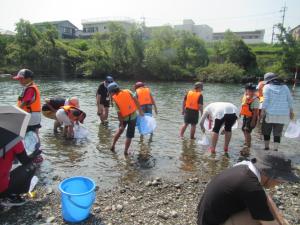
x: 192, y: 104
x: 249, y: 111
x: 127, y: 105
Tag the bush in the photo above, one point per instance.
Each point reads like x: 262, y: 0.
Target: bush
x: 226, y: 72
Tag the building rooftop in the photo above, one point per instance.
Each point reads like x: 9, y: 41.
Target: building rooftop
x: 56, y: 22
x: 108, y: 19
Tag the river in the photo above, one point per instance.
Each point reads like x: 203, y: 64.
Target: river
x: 166, y: 155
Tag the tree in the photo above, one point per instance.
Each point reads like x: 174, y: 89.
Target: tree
x: 191, y: 52
x: 290, y: 55
x: 234, y: 50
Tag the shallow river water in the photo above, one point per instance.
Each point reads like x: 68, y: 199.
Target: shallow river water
x: 166, y: 155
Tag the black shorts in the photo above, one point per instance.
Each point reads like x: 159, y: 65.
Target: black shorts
x: 130, y: 128
x: 228, y: 119
x: 246, y: 127
x: 104, y: 102
x: 191, y: 116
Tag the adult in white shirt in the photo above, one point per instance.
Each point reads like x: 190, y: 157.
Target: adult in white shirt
x: 220, y: 113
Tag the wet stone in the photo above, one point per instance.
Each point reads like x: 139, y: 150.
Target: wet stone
x: 50, y: 219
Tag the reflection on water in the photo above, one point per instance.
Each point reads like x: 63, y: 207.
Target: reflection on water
x: 164, y: 155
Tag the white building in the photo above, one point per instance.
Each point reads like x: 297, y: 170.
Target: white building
x: 101, y: 25
x: 205, y: 32
x: 7, y: 32
x: 249, y: 37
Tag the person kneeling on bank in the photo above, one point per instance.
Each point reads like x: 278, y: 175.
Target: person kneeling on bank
x: 69, y: 116
x: 16, y: 182
x: 237, y: 197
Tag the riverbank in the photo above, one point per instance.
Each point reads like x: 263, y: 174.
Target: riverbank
x: 152, y: 202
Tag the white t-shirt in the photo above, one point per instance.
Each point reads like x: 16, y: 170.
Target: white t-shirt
x: 217, y: 110
x: 251, y: 167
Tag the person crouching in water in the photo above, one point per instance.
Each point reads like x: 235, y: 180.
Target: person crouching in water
x: 192, y: 104
x: 249, y: 111
x: 127, y: 105
x: 145, y: 98
x: 69, y: 116
x: 51, y: 106
x: 220, y: 113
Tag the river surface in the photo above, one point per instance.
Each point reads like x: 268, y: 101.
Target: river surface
x: 166, y: 155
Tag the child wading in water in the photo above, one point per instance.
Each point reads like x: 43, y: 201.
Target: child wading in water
x: 249, y: 111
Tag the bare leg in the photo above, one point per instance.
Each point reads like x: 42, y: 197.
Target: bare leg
x: 56, y: 126
x: 247, y: 136
x: 227, y: 140
x: 193, y: 130
x: 105, y: 113
x: 101, y: 112
x: 183, y: 128
x: 116, y: 138
x: 127, y: 144
x: 214, y: 140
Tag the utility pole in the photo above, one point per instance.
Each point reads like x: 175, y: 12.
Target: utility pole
x: 273, y: 34
x: 283, y: 10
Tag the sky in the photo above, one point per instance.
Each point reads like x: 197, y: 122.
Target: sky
x: 236, y: 15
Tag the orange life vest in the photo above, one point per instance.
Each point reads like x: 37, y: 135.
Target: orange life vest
x: 192, y: 100
x: 144, y: 96
x: 34, y: 106
x: 68, y: 109
x: 124, y: 101
x: 260, y: 94
x: 246, y: 109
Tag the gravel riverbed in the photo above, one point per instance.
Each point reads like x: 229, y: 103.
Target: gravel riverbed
x: 153, y: 202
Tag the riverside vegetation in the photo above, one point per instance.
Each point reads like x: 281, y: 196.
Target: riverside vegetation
x: 157, y: 54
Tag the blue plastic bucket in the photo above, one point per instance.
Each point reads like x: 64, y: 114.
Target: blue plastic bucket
x: 77, y: 198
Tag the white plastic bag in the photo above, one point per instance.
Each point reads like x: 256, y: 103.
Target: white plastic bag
x: 293, y: 129
x: 146, y: 124
x: 204, y: 140
x: 80, y: 132
x: 33, y: 183
x: 31, y: 142
x: 208, y: 125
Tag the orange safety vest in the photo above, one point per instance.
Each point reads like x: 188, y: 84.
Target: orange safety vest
x: 246, y: 109
x: 68, y: 109
x: 192, y: 100
x: 260, y: 94
x: 125, y: 103
x: 34, y: 106
x: 144, y: 96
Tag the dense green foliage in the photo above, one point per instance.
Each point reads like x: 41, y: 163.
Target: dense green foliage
x: 164, y: 54
x: 223, y: 73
